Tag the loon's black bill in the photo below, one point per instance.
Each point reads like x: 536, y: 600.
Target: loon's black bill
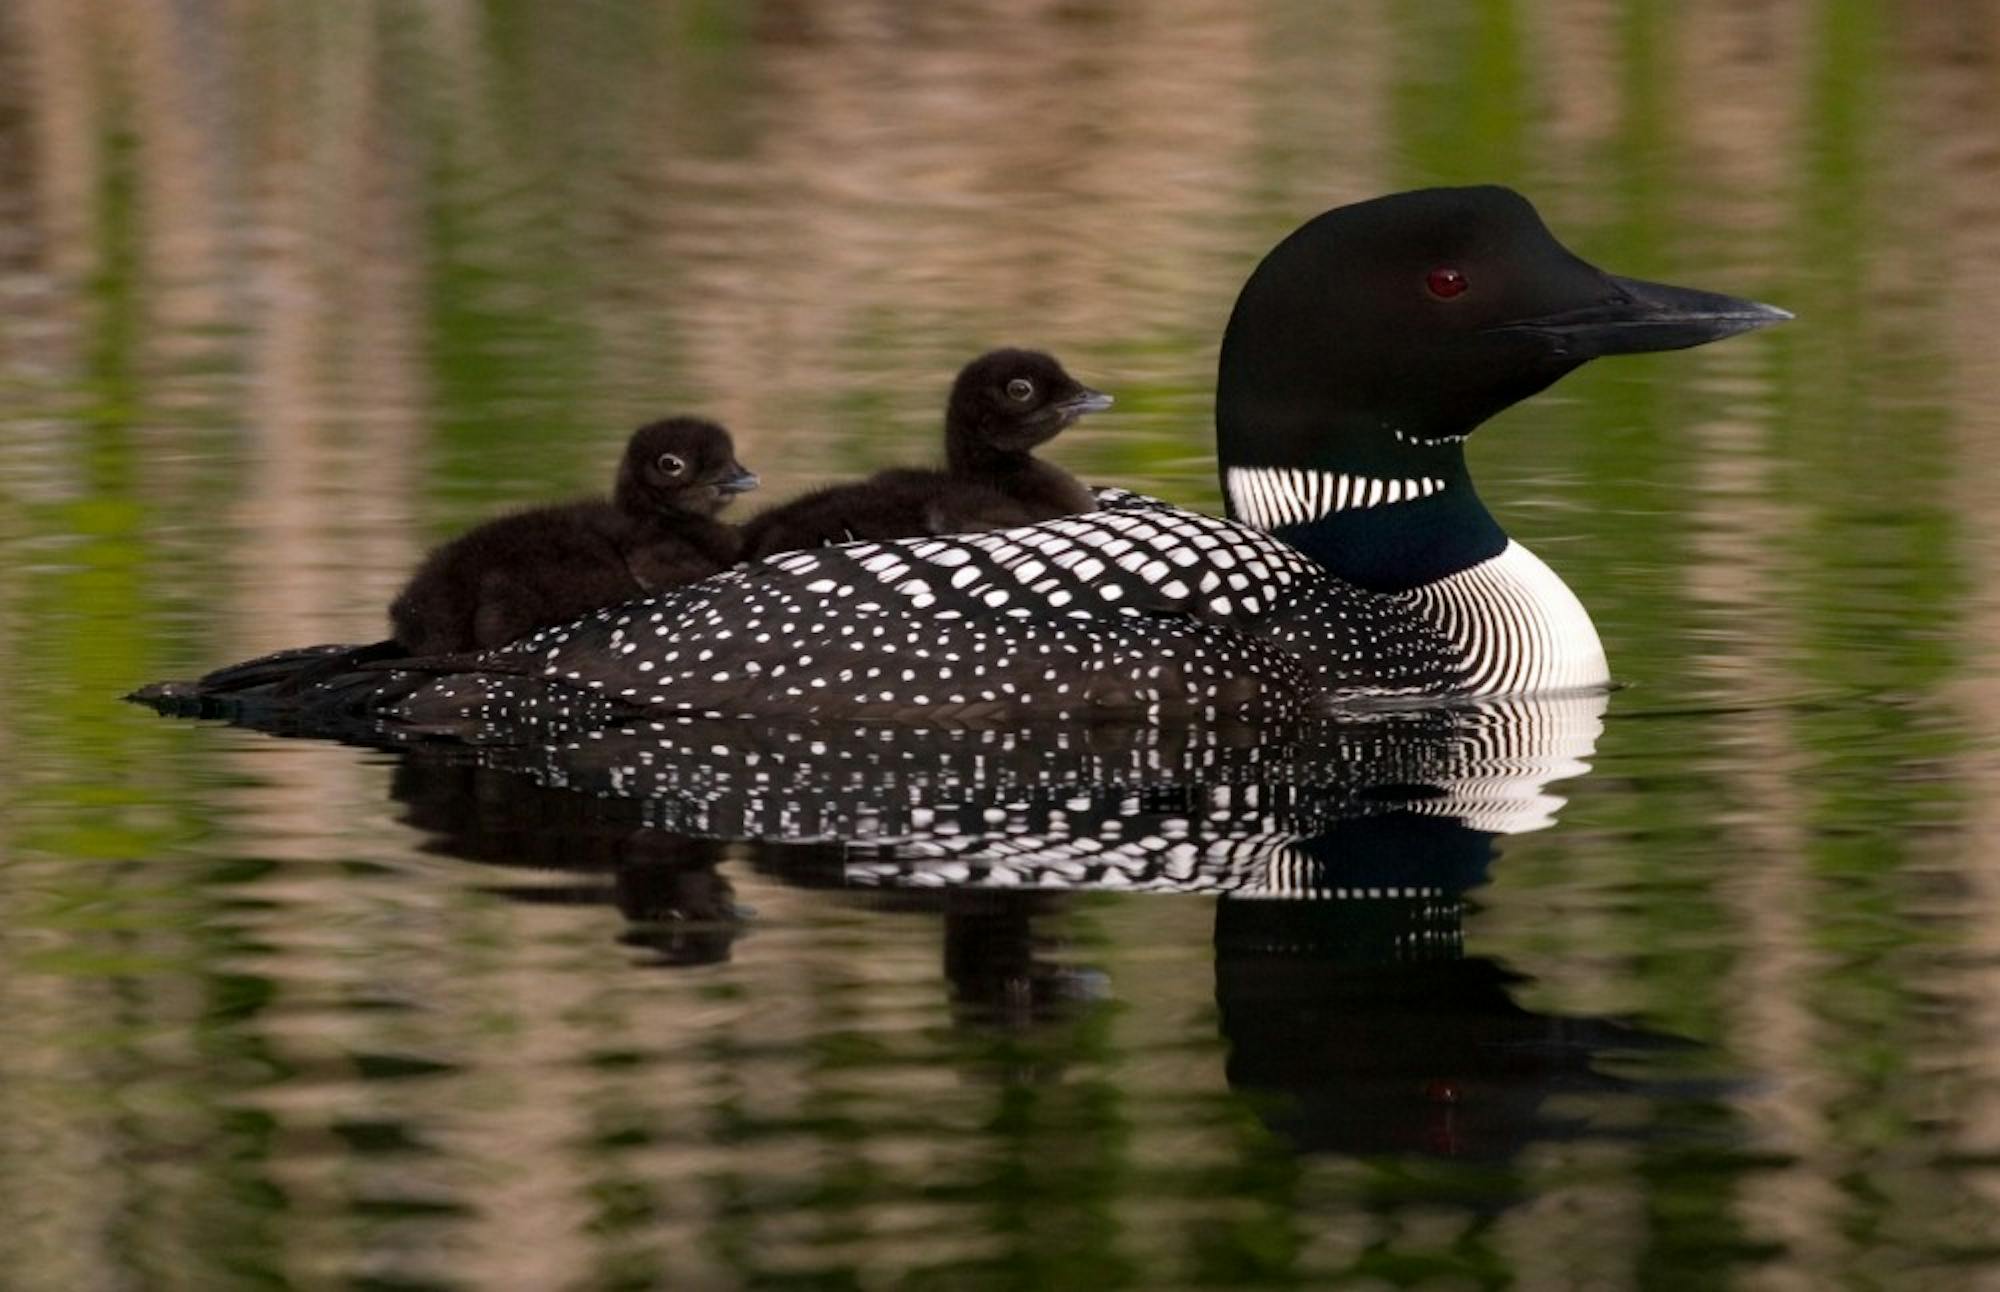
x: 741, y: 482
x: 1641, y: 316
x: 1085, y: 401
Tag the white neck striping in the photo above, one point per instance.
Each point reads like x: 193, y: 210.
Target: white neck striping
x: 1267, y: 497
x: 1520, y: 628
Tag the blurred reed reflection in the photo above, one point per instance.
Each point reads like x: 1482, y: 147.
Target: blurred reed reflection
x: 287, y: 293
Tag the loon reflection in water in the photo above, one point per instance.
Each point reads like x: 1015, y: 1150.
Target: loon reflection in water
x: 1344, y: 994
x: 1170, y: 807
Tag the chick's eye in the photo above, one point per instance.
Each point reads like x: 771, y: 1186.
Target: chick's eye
x: 671, y: 464
x: 1020, y: 390
x: 1445, y: 282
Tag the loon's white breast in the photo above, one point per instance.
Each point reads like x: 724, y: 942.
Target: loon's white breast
x: 1520, y: 628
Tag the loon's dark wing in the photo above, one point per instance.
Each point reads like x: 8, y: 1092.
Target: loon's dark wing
x: 1137, y: 607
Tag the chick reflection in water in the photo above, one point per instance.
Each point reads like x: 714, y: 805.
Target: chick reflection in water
x: 1341, y: 863
x: 676, y: 901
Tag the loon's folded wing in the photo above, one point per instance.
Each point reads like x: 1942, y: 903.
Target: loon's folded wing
x: 1138, y: 606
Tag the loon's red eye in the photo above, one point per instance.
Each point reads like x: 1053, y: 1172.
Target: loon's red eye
x: 1446, y: 283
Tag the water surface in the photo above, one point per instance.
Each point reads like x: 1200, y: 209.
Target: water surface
x: 288, y: 294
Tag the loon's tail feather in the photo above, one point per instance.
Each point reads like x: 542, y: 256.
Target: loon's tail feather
x: 362, y: 692
x: 461, y: 662
x: 333, y: 665
x: 281, y: 673
x: 283, y: 669
x: 330, y: 679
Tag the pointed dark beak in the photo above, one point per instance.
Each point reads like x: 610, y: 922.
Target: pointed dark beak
x: 1635, y: 317
x: 740, y: 481
x: 1084, y: 401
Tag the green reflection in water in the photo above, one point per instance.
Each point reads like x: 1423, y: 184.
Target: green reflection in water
x: 1463, y: 98
x: 128, y: 1033
x: 156, y: 1086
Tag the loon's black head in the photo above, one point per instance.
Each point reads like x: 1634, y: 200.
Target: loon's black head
x: 1410, y: 319
x: 1371, y: 342
x: 1008, y: 401
x: 681, y: 464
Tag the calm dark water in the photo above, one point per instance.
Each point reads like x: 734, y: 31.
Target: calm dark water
x: 1696, y: 991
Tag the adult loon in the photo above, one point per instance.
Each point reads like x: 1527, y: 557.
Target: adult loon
x: 1002, y: 406
x: 1359, y: 564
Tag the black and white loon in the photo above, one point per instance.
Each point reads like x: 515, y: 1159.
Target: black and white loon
x: 1358, y: 563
